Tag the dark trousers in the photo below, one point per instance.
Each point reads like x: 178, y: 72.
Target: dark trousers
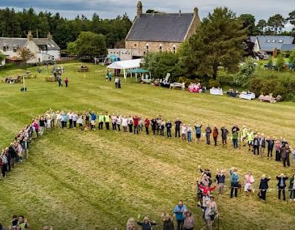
x: 154, y: 130
x: 168, y: 132
x: 263, y: 194
x: 119, y: 127
x: 75, y: 124
x: 269, y: 152
x: 255, y: 149
x: 114, y: 126
x: 130, y: 127
x: 180, y: 224
x: 281, y: 190
x: 215, y: 140
x: 66, y: 83
x: 4, y: 170
x: 278, y: 156
x: 208, y: 138
x: 286, y: 161
x: 224, y: 141
x: 177, y: 132
x: 292, y: 193
x: 71, y: 123
x: 135, y: 129
x: 107, y: 125
x: 147, y: 130
x: 235, y: 143
x: 234, y: 188
x: 100, y: 125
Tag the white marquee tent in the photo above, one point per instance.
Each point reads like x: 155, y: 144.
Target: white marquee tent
x: 128, y: 64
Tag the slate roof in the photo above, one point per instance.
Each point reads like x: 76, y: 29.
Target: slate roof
x: 12, y: 42
x: 287, y: 47
x: 51, y: 45
x: 20, y: 42
x: 161, y: 27
x: 269, y: 43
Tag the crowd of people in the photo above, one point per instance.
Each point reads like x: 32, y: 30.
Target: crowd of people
x: 258, y: 144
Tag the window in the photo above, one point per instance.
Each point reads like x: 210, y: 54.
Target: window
x: 147, y: 47
x: 273, y: 41
x: 281, y: 41
x: 268, y: 41
x: 174, y: 48
x: 135, y: 45
x: 160, y: 47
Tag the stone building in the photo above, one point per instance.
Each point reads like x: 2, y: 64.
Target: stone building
x: 152, y: 32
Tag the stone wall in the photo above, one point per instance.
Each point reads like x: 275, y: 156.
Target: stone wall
x: 152, y: 46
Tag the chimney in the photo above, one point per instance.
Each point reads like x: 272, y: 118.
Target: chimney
x: 139, y: 9
x: 49, y: 36
x: 179, y: 12
x: 196, y: 11
x: 30, y: 36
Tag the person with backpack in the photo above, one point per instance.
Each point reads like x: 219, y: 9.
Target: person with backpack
x: 234, y: 182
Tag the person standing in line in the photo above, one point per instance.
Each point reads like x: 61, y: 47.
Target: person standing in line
x: 168, y: 128
x: 177, y: 127
x: 146, y: 125
x: 135, y: 124
x: 146, y: 224
x: 66, y: 82
x: 270, y: 144
x: 125, y: 123
x: 75, y: 118
x: 183, y: 132
x: 244, y: 135
x: 178, y: 211
x: 215, y: 135
x: 118, y: 122
x: 154, y: 125
x: 114, y: 120
x: 100, y: 121
x: 130, y: 124
x: 189, y: 221
x: 220, y: 179
x: 286, y: 158
x: 208, y: 131
x: 263, y: 186
x: 168, y: 222
x: 234, y: 181
x: 70, y: 116
x: 292, y: 188
x: 256, y: 145
x: 224, y: 134
x: 282, y: 185
x: 189, y: 133
x: 107, y: 120
x: 249, y: 180
x: 198, y: 130
x: 262, y: 144
x: 278, y: 147
x: 235, y: 136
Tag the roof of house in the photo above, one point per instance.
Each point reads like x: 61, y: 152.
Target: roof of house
x: 20, y: 42
x: 51, y: 45
x: 269, y: 43
x: 12, y: 42
x: 160, y: 27
x: 287, y: 47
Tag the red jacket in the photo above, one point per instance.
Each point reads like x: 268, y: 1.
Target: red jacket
x: 135, y: 121
x: 147, y: 122
x: 206, y: 190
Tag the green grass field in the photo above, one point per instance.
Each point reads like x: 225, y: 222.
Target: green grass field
x: 77, y: 179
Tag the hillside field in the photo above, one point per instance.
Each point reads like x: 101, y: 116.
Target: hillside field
x: 90, y: 180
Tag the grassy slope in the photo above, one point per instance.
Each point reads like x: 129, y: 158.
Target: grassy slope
x: 88, y: 180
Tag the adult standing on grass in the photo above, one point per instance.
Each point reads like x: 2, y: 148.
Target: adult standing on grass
x: 147, y: 125
x: 198, y: 130
x: 234, y: 182
x: 285, y: 155
x: 130, y: 124
x: 130, y: 225
x: 220, y: 179
x: 177, y: 127
x: 189, y: 133
x: 282, y: 185
x: 66, y: 82
x: 100, y: 121
x: 178, y: 211
x: 292, y: 188
x: 263, y: 186
x: 249, y: 180
x: 215, y: 135
x: 118, y: 122
x: 278, y: 146
x: 270, y: 144
x: 262, y: 145
x: 146, y: 224
x: 4, y: 160
x: 168, y: 128
x: 256, y: 143
x: 168, y: 223
x: 135, y: 124
x: 125, y: 123
x: 189, y: 221
x: 224, y: 134
x: 208, y: 131
x: 107, y: 120
x: 154, y: 125
x: 183, y: 131
x: 235, y: 136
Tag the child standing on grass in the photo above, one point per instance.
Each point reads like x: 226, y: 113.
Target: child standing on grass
x: 66, y: 82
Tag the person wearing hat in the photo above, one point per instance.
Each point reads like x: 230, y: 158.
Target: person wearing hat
x: 282, y: 185
x: 178, y: 211
x: 146, y: 224
x: 189, y: 221
x: 168, y: 222
x: 263, y: 186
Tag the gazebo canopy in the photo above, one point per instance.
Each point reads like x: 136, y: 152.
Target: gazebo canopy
x: 138, y: 70
x: 124, y: 65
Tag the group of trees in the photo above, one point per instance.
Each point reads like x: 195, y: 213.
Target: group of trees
x: 17, y: 24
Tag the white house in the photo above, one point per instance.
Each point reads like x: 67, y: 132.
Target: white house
x: 43, y: 49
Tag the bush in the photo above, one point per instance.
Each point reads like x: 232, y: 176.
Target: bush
x: 214, y: 83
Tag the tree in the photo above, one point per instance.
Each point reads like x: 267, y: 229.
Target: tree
x: 261, y: 26
x: 276, y: 23
x: 25, y: 55
x: 247, y: 71
x: 89, y: 44
x: 292, y: 58
x: 218, y: 42
x: 2, y: 57
x: 249, y: 22
x: 291, y: 18
x: 280, y: 62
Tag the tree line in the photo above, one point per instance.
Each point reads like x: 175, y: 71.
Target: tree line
x: 17, y: 24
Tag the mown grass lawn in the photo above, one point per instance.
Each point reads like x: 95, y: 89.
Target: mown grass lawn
x: 98, y: 179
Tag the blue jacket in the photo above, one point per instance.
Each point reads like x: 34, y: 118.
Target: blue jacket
x: 179, y: 212
x: 93, y: 117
